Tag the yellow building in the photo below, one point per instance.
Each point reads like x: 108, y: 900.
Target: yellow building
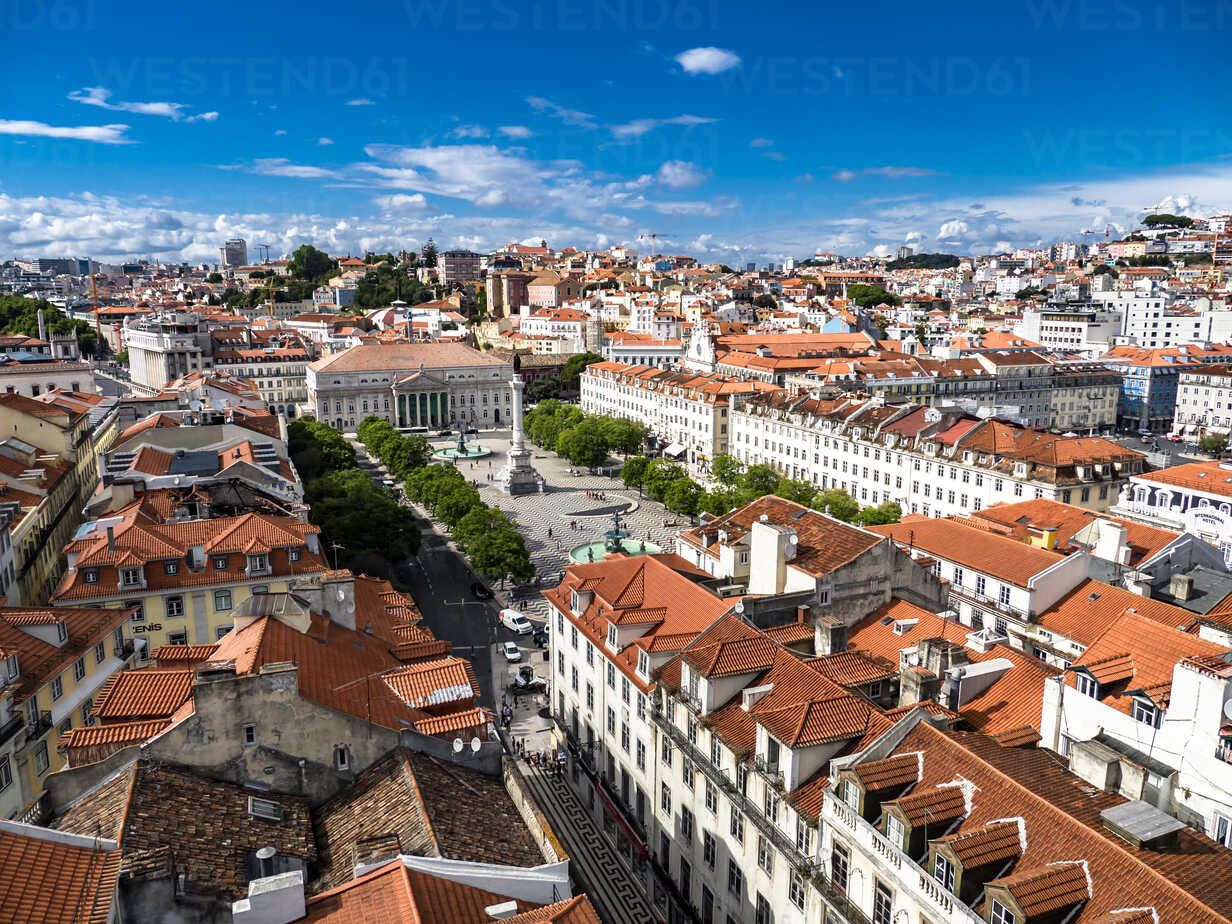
x: 49, y: 466
x: 184, y: 579
x: 53, y: 661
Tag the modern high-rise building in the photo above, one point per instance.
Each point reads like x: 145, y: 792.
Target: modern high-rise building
x: 457, y: 266
x: 234, y: 253
x: 904, y: 252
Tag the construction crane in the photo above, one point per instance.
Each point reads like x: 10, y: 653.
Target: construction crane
x: 266, y: 248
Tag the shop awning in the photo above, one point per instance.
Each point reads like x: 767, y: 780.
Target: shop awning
x: 615, y: 812
x: 674, y: 450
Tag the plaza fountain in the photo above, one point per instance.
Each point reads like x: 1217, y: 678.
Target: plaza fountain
x: 461, y: 452
x: 615, y: 541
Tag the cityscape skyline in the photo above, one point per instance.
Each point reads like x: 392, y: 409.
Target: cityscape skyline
x: 726, y: 135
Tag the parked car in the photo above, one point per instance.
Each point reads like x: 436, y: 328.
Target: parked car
x: 472, y: 430
x: 515, y: 622
x: 540, y: 636
x: 445, y: 432
x: 525, y: 681
x: 511, y: 651
x: 480, y: 591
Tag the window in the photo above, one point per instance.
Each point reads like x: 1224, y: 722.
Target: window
x: 795, y: 890
x: 712, y: 798
x: 100, y: 653
x: 686, y: 773
x: 57, y: 688
x: 770, y: 804
x: 177, y: 638
x: 1086, y: 685
x: 6, y: 773
x: 641, y: 755
x: 840, y: 866
x: 999, y: 914
x: 737, y: 825
x: 293, y: 554
x: 624, y: 736
x: 883, y: 903
x: 590, y: 696
x: 1223, y: 830
x: 765, y: 854
x: 175, y: 607
x: 943, y: 872
x: 138, y: 609
x: 222, y: 600
x: 131, y: 576
x: 611, y: 721
x: 171, y: 567
x: 79, y: 669
x: 250, y: 734
x: 686, y: 825
x: 764, y: 914
x: 981, y: 585
x: 220, y: 631
x: 665, y: 798
x: 1003, y: 595
x: 258, y: 564
x: 91, y: 575
x: 62, y: 631
x: 220, y: 562
x: 342, y: 757
x: 710, y: 849
x: 895, y: 831
x: 573, y: 680
x: 686, y: 878
x: 1146, y: 713
x: 735, y: 878
x: 40, y: 759
x: 666, y: 753
x: 849, y: 794
x: 958, y: 576
x: 804, y: 837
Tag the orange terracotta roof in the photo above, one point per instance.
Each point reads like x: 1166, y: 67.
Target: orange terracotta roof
x: 44, y: 881
x: 1090, y: 609
x: 953, y: 540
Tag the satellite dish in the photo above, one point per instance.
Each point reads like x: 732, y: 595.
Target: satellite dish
x: 266, y: 853
x: 195, y: 404
x: 739, y: 606
x: 457, y: 745
x: 475, y: 744
x: 1227, y: 709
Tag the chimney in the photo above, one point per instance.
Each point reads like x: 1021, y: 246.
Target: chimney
x: 1138, y: 582
x: 42, y: 325
x: 110, y: 538
x: 1181, y: 586
x: 501, y: 911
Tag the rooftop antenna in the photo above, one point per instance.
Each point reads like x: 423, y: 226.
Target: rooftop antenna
x: 336, y: 545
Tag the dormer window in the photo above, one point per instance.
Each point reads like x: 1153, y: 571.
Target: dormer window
x: 1146, y: 712
x: 575, y: 601
x: 131, y: 576
x: 220, y: 562
x: 943, y: 869
x: 643, y: 664
x: 90, y: 575
x: 293, y: 554
x: 12, y: 668
x: 611, y: 636
x: 999, y: 914
x: 895, y: 831
x: 1087, y: 685
x: 258, y: 563
x: 61, y: 631
x: 171, y: 567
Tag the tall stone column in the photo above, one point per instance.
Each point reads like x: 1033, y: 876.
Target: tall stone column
x: 518, y: 476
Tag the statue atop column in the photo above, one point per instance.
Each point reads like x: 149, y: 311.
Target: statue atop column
x: 518, y: 476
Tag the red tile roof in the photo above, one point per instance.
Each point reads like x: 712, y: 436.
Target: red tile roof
x: 43, y: 881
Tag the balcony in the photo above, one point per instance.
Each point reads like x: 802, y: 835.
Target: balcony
x: 1224, y: 753
x: 39, y: 728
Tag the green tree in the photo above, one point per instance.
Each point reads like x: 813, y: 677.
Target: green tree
x: 684, y: 495
x: 794, y: 490
x: 882, y: 323
x: 501, y: 554
x: 428, y: 254
x: 584, y: 444
x: 317, y: 449
x: 122, y: 357
x: 1105, y: 270
x: 759, y: 479
x: 575, y: 364
x: 455, y: 503
x: 634, y: 471
x: 880, y: 515
x: 659, y: 476
x: 721, y: 501
x: 214, y: 278
x: 925, y: 261
x: 478, y: 522
x: 869, y: 296
x: 309, y: 263
x: 839, y: 504
x: 726, y: 469
x: 543, y: 387
x: 1163, y: 219
x: 1213, y: 443
x: 623, y: 435
x: 765, y: 301
x: 364, y: 519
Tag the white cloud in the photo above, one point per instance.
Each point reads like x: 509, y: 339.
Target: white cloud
x: 774, y: 155
x: 912, y: 236
x: 952, y: 230
x: 103, y: 134
x: 470, y: 131
x: 281, y: 131
x: 761, y: 143
x: 325, y: 141
x: 805, y: 178
x: 568, y: 116
x: 889, y: 173
x: 680, y: 174
x: 280, y: 166
x: 639, y: 127
x: 101, y: 97
x: 707, y: 60
x: 400, y: 202
x: 515, y: 131
x: 362, y: 101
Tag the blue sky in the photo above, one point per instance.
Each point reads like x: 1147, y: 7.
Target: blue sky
x: 730, y: 130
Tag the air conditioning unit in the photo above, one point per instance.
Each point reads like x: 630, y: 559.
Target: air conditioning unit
x: 264, y: 809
